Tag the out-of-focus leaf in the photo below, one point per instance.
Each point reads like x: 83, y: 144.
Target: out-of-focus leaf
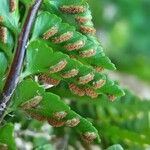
x: 115, y: 147
x: 45, y: 147
x: 7, y: 136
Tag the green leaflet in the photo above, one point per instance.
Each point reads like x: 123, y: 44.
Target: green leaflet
x: 3, y: 64
x: 63, y: 87
x: 40, y: 58
x: 3, y: 67
x: 48, y: 106
x: 10, y: 14
x: 25, y: 91
x: 46, y: 21
x: 112, y: 88
x: 43, y: 63
x: 7, y: 137
x: 123, y: 133
x: 103, y: 113
x: 54, y: 7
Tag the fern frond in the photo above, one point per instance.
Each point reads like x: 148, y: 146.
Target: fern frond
x: 60, y: 64
x: 46, y: 106
x: 82, y: 21
x: 60, y: 52
x: 75, y: 45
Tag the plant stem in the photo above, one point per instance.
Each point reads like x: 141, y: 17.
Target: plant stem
x: 17, y: 63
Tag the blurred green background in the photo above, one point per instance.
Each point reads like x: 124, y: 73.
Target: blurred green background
x: 124, y: 29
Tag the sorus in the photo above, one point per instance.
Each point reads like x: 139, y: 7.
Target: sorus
x: 48, y: 80
x: 72, y: 122
x: 87, y: 53
x: 12, y: 5
x: 99, y: 69
x: 99, y: 84
x: 32, y: 103
x: 59, y: 115
x: 3, y: 34
x: 64, y: 37
x: 38, y: 117
x: 87, y: 30
x: 88, y: 137
x: 55, y: 123
x: 51, y: 32
x: 70, y: 73
x: 76, y: 90
x: 58, y: 67
x: 1, y: 19
x: 85, y: 79
x: 112, y: 97
x: 82, y: 19
x: 91, y: 93
x: 72, y: 9
x: 75, y: 46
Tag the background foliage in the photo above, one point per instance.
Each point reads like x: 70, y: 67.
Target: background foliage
x: 124, y: 27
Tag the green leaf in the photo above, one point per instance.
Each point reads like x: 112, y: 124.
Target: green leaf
x: 10, y: 18
x: 7, y: 136
x: 46, y: 109
x: 54, y: 7
x: 46, y: 21
x: 112, y: 88
x: 25, y: 91
x: 40, y: 58
x: 3, y: 67
x: 49, y: 105
x: 3, y: 64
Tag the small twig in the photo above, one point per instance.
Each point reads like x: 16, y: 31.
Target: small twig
x: 16, y: 67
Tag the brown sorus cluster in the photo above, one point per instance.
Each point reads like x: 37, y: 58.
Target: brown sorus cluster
x: 87, y: 78
x: 51, y: 32
x: 72, y: 122
x: 32, y: 103
x: 99, y: 84
x: 75, y: 46
x: 58, y: 67
x: 88, y: 53
x: 82, y: 19
x: 91, y: 93
x: 87, y: 29
x: 55, y: 123
x: 3, y: 34
x: 48, y: 80
x: 112, y: 97
x: 72, y: 9
x: 1, y: 19
x: 70, y: 73
x: 76, y: 90
x: 64, y: 37
x: 12, y: 5
x: 88, y: 137
x: 59, y: 115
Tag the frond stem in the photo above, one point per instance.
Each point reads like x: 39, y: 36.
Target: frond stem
x: 17, y: 63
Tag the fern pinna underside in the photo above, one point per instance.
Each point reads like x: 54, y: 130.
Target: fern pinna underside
x: 62, y: 51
